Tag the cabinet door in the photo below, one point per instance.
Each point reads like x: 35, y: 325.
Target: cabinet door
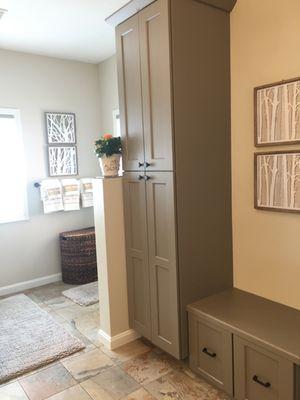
x: 156, y: 85
x: 211, y: 353
x: 129, y: 77
x: 260, y: 374
x: 162, y: 261
x: 137, y: 253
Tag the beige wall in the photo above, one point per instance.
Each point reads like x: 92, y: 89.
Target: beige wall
x: 265, y: 39
x: 34, y: 84
x: 109, y: 99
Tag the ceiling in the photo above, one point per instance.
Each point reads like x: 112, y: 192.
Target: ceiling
x: 68, y: 29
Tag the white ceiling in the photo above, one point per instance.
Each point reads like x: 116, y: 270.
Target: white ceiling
x: 69, y: 29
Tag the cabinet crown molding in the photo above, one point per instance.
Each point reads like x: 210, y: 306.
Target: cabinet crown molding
x: 134, y: 6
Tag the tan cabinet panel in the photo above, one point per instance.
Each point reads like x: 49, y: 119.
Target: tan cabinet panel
x: 162, y: 261
x: 129, y: 76
x: 137, y: 253
x: 156, y: 85
x: 211, y: 353
x: 260, y: 374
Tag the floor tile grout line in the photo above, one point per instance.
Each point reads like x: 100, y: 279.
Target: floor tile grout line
x: 85, y: 391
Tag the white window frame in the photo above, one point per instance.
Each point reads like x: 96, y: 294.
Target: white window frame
x: 15, y: 113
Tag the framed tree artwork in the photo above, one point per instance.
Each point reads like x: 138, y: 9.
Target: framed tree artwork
x: 61, y: 139
x: 277, y: 181
x: 61, y: 128
x: 277, y: 113
x: 62, y: 160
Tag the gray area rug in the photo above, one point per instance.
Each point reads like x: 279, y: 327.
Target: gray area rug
x: 85, y: 295
x: 30, y: 338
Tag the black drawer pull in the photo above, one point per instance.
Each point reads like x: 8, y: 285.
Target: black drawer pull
x: 141, y: 177
x: 208, y: 353
x: 141, y: 164
x: 147, y: 164
x: 264, y: 384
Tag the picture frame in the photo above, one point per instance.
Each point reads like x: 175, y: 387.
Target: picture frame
x: 62, y: 161
x: 60, y: 128
x: 277, y: 113
x: 277, y: 181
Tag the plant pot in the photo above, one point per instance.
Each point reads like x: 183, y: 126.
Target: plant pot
x: 110, y: 165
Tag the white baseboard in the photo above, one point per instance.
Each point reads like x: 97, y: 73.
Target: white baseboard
x: 21, y: 286
x: 113, y: 342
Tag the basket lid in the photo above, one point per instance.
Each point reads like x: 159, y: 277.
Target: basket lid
x: 78, y: 232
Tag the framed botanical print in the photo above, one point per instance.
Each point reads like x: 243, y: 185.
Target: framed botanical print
x: 277, y: 113
x: 277, y: 181
x: 60, y: 128
x: 62, y: 160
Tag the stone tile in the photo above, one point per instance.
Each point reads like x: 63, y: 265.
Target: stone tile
x: 48, y: 382
x: 73, y: 312
x: 95, y: 391
x: 48, y: 292
x: 147, y: 367
x: 127, y: 352
x: 57, y: 317
x: 34, y: 371
x: 8, y: 382
x: 162, y: 389
x: 93, y: 307
x: 112, y: 384
x: 192, y: 389
x: 44, y: 307
x: 95, y: 337
x: 88, y: 322
x: 87, y: 365
x: 12, y: 391
x: 73, y: 393
x: 59, y: 302
x: 33, y: 297
x: 88, y: 344
x: 140, y: 394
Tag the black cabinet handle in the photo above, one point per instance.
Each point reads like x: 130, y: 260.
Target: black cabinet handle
x: 147, y: 177
x: 208, y: 353
x: 147, y: 164
x: 264, y: 384
x: 141, y: 164
x: 141, y: 177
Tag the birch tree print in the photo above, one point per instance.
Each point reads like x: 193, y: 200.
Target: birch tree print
x: 278, y: 181
x: 60, y: 128
x: 62, y: 161
x: 278, y: 113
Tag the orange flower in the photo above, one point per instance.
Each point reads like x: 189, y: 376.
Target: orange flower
x: 107, y: 136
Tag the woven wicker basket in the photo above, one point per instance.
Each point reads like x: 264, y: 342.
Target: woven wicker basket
x: 78, y: 256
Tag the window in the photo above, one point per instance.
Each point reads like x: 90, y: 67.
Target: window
x: 13, y: 198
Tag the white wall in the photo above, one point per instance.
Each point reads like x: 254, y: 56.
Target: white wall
x: 109, y: 100
x: 34, y: 84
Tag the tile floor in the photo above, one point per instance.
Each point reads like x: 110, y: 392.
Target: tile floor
x: 137, y: 371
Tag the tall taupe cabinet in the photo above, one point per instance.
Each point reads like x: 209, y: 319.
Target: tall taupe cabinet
x: 174, y: 88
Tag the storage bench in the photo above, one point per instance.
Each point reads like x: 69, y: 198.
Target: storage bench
x: 246, y: 345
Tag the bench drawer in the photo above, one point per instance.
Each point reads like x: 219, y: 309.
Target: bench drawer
x: 211, y: 353
x: 260, y: 374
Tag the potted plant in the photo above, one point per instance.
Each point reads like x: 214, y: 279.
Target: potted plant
x: 108, y: 150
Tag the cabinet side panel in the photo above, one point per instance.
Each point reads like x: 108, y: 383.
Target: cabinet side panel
x: 201, y: 91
